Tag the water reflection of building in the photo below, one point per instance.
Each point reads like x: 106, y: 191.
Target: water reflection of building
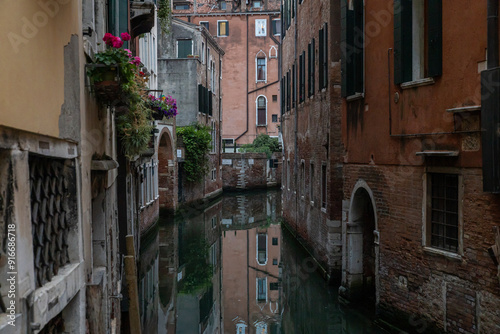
x: 250, y: 264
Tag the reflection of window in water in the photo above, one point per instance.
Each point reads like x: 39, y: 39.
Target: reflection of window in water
x: 241, y: 328
x: 261, y: 328
x: 261, y: 290
x: 262, y: 248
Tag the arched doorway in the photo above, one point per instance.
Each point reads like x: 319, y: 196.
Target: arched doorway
x: 360, y: 265
x: 167, y: 180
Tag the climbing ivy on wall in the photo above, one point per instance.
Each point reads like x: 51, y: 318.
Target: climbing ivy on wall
x: 164, y: 15
x: 197, y: 142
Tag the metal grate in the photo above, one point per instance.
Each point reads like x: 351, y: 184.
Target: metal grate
x: 444, y: 230
x: 50, y: 214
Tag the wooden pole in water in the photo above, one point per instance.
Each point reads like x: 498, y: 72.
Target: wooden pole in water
x: 133, y: 293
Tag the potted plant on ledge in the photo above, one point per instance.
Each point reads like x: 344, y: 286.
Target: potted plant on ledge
x: 163, y: 106
x: 112, y: 69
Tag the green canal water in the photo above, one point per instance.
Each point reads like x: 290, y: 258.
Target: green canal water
x: 229, y: 266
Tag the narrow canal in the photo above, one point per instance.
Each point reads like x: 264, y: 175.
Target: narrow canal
x: 229, y: 266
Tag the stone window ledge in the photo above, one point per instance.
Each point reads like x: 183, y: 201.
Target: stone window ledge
x: 449, y: 255
x: 417, y: 83
x: 354, y: 97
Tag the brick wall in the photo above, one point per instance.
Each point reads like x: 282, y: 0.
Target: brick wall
x: 149, y: 215
x: 421, y: 290
x: 249, y: 171
x: 312, y: 135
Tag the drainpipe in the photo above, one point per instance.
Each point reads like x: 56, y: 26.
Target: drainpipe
x: 246, y: 96
x: 492, y: 34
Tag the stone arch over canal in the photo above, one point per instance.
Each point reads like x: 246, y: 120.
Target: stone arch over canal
x: 360, y: 258
x: 167, y: 178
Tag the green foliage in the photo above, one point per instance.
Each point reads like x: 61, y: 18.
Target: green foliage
x: 164, y: 15
x: 198, y: 271
x: 113, y: 56
x: 134, y: 127
x: 262, y: 144
x: 197, y: 142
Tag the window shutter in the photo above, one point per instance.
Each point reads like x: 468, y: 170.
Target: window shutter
x: 309, y: 56
x: 210, y: 103
x: 313, y: 66
x: 325, y: 56
x: 435, y: 38
x: 358, y: 46
x: 343, y: 47
x: 200, y: 98
x: 321, y: 58
x: 227, y: 28
x: 300, y: 77
x: 402, y: 41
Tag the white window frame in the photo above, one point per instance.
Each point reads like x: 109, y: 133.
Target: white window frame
x: 257, y: 110
x: 257, y: 288
x: 258, y: 24
x: 218, y: 32
x: 279, y: 34
x: 257, y: 249
x: 183, y: 39
x: 203, y: 52
x: 262, y: 55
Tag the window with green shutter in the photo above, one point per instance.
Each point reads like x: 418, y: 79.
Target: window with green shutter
x: 417, y: 39
x: 352, y: 46
x: 184, y: 48
x: 222, y: 28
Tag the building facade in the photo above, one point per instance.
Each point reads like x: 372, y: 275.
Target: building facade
x: 248, y: 32
x: 418, y: 222
x: 190, y: 70
x: 311, y: 118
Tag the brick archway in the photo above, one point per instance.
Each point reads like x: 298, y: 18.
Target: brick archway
x: 360, y: 246
x: 167, y: 178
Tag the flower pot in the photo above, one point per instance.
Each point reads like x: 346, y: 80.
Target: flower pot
x: 108, y: 91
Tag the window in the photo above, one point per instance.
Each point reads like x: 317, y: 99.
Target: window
x: 302, y: 178
x: 203, y: 52
x: 184, y: 48
x: 209, y: 59
x: 206, y: 24
x: 442, y: 230
x: 262, y: 248
x: 311, y: 61
x: 288, y: 89
x: 288, y: 174
x: 261, y: 289
x: 275, y: 262
x: 214, y: 138
x: 260, y: 28
x: 302, y: 77
x: 294, y: 85
x: 417, y: 40
x: 274, y: 118
x: 275, y: 241
x: 311, y: 183
x: 222, y: 4
x: 204, y: 100
x: 261, y: 110
x: 185, y: 6
x: 222, y: 28
x: 214, y: 221
x: 256, y: 4
x: 212, y: 76
x: 275, y: 98
x: 276, y: 27
x: 323, y: 57
x: 352, y: 46
x: 261, y: 69
x: 273, y: 286
x: 323, y: 186
x: 241, y: 328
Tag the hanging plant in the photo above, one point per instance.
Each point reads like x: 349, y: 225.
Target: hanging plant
x: 197, y: 142
x: 134, y: 127
x: 164, y: 15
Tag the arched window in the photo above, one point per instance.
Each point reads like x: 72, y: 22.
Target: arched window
x: 261, y: 67
x: 261, y: 110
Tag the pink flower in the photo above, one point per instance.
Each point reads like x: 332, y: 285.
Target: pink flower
x: 136, y: 61
x: 107, y: 37
x: 117, y: 43
x: 125, y: 36
x: 129, y: 53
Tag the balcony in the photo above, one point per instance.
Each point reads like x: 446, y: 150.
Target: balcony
x: 142, y: 17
